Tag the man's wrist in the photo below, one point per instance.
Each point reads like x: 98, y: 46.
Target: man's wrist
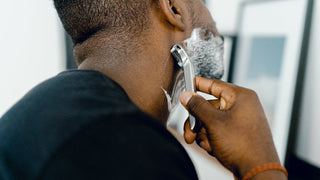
x: 272, y: 169
x: 270, y: 175
x: 257, y: 161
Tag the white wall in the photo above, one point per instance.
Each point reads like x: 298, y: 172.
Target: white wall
x: 31, y: 46
x: 308, y: 146
x: 225, y: 13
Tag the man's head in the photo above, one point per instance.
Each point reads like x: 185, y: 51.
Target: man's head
x: 84, y: 18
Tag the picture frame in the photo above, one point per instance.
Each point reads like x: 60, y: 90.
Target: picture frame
x: 268, y: 54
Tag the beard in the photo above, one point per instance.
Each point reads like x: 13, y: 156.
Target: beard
x: 206, y: 53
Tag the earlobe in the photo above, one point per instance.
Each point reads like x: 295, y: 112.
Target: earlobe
x: 173, y: 13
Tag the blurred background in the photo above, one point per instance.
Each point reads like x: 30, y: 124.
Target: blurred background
x: 271, y: 46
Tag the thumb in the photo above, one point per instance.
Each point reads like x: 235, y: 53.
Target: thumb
x: 199, y: 107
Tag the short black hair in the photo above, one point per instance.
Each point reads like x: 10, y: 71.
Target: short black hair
x: 84, y: 18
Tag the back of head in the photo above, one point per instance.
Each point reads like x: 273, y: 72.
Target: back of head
x: 85, y: 18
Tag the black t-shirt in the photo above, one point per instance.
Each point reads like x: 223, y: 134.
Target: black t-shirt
x: 82, y: 125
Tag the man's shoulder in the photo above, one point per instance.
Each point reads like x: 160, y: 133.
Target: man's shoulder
x: 67, y: 92
x: 64, y: 102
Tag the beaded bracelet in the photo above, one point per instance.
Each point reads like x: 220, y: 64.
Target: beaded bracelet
x: 265, y: 167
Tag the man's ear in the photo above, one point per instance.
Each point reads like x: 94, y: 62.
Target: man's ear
x: 173, y: 13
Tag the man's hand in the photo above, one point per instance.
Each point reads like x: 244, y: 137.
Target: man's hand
x: 233, y: 128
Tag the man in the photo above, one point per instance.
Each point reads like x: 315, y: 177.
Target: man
x: 107, y: 119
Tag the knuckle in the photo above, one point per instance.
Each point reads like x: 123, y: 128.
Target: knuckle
x: 234, y: 92
x: 252, y: 93
x: 248, y: 92
x: 212, y: 86
x: 231, y: 95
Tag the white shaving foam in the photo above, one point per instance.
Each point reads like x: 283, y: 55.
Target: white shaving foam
x: 179, y: 86
x: 206, y: 53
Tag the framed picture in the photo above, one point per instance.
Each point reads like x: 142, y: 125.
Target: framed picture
x: 267, y: 57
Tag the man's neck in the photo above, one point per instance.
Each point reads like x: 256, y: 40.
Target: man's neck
x: 142, y: 73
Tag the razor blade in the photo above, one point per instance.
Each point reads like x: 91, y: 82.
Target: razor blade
x: 184, y: 62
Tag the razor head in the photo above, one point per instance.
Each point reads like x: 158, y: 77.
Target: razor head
x: 179, y: 55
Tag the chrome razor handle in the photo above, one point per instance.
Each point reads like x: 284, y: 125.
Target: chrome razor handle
x: 184, y: 62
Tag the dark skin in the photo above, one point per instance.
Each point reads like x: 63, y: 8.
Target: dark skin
x: 234, y: 128
x: 143, y: 65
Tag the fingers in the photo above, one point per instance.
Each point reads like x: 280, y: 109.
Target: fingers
x: 203, y: 141
x: 210, y: 86
x: 221, y: 90
x: 201, y: 137
x: 189, y: 135
x: 199, y: 107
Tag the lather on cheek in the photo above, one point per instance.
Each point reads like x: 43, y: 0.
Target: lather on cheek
x: 205, y: 53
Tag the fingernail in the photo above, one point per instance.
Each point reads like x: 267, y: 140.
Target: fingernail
x: 185, y: 98
x: 223, y: 104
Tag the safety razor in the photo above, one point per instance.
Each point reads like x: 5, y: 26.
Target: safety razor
x: 184, y: 62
